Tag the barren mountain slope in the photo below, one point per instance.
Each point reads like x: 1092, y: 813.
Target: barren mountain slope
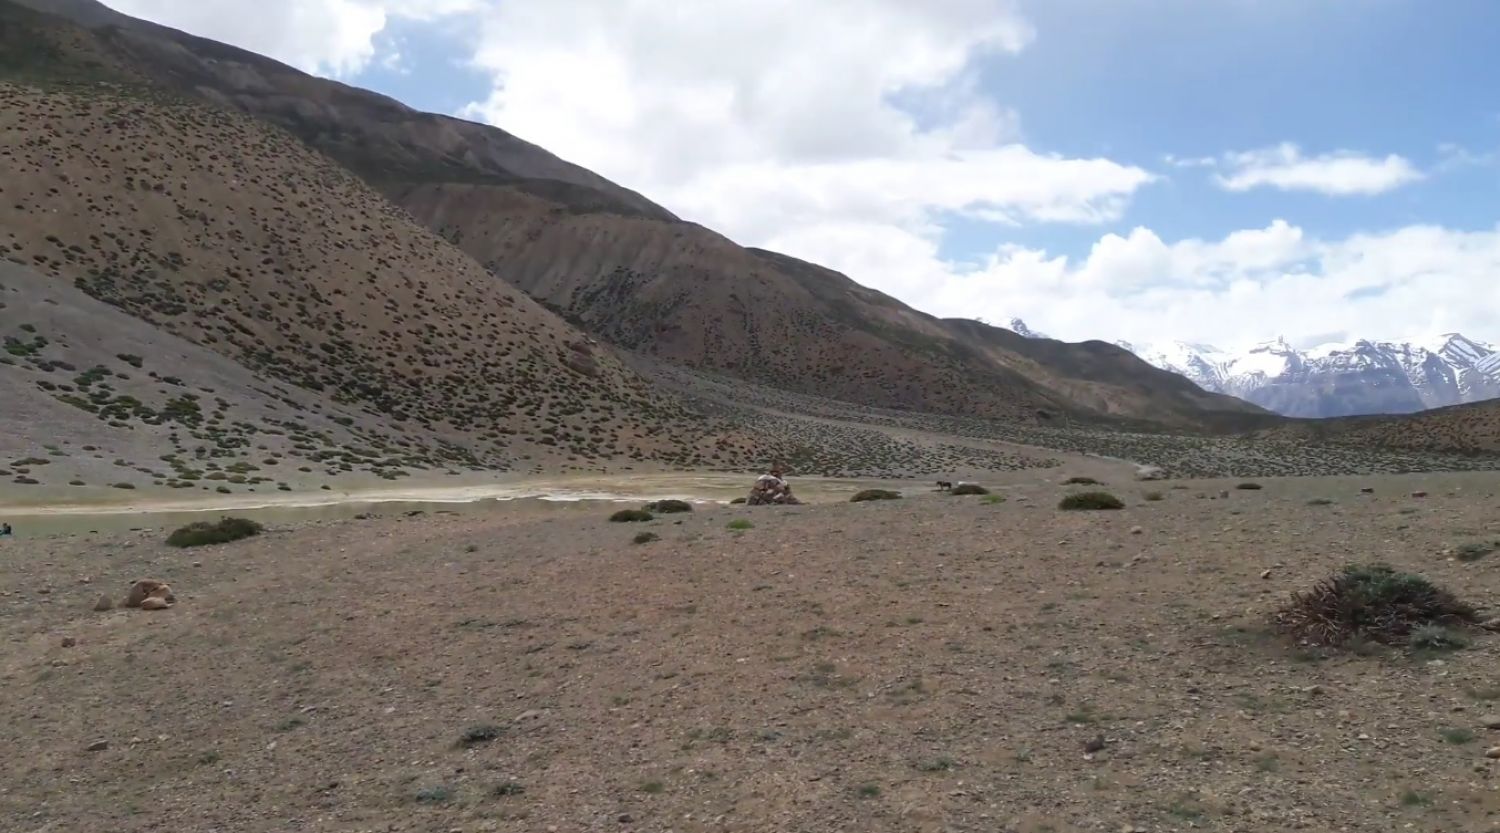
x: 1463, y: 429
x: 686, y: 294
x: 97, y: 399
x: 235, y: 236
x: 630, y: 272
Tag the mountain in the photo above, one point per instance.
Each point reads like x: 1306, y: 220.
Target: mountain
x: 1364, y: 377
x: 628, y: 271
x: 1472, y: 429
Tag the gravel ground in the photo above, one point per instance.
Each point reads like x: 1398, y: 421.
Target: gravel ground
x: 930, y: 664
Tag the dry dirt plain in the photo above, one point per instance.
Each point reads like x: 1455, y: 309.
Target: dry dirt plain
x: 934, y: 664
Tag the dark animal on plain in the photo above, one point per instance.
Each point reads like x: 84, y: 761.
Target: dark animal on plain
x: 944, y: 486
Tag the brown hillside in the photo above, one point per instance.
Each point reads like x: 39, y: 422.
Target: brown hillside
x: 631, y: 273
x: 237, y: 237
x: 1461, y: 429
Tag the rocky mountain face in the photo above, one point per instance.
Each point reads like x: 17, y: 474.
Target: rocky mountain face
x: 628, y: 271
x: 1365, y: 377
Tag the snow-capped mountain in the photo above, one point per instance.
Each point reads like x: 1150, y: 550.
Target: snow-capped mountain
x: 1019, y: 327
x: 1364, y: 377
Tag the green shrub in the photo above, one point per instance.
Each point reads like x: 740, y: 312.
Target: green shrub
x: 1249, y: 487
x: 969, y: 489
x: 1320, y: 501
x: 740, y: 524
x: 992, y: 500
x: 1474, y: 552
x: 875, y: 494
x: 646, y: 537
x: 1081, y: 481
x: 739, y: 501
x: 1376, y: 603
x: 434, y: 795
x: 475, y: 735
x: 1154, y: 496
x: 631, y: 516
x: 1091, y: 500
x: 223, y: 531
x: 669, y: 507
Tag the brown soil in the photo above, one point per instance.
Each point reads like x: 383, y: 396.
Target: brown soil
x: 928, y: 664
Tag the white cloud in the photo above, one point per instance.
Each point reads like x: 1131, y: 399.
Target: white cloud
x: 1343, y: 173
x: 1249, y: 286
x: 777, y: 119
x: 331, y: 37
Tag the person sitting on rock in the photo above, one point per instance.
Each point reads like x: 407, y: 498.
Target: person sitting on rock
x: 4, y: 530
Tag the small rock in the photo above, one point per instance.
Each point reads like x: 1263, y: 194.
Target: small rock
x: 69, y: 642
x: 99, y: 746
x: 1094, y: 744
x: 1265, y: 574
x: 1367, y: 490
x: 103, y: 604
x: 1137, y: 530
x: 1419, y: 494
x: 1493, y: 753
x: 154, y: 603
x: 44, y: 591
x: 1490, y: 721
x: 625, y: 818
x: 197, y: 563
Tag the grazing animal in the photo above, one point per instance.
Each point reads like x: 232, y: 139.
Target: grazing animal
x: 157, y: 593
x: 944, y: 486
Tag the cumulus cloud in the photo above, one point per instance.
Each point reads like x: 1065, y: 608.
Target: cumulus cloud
x: 1245, y: 287
x: 772, y: 119
x: 1339, y: 174
x: 330, y: 37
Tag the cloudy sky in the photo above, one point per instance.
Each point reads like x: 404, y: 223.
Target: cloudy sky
x: 1222, y: 171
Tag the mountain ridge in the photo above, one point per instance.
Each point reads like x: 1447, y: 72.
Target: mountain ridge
x: 635, y: 275
x: 1346, y: 379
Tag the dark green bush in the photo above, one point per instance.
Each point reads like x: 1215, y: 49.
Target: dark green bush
x: 646, y: 537
x: 1249, y: 487
x: 669, y: 507
x: 875, y: 494
x: 1374, y: 603
x: 631, y: 516
x: 1081, y: 481
x: 204, y: 533
x: 1474, y: 551
x: 970, y: 489
x: 1091, y: 500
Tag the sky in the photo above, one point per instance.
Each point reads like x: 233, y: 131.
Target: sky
x: 1214, y: 171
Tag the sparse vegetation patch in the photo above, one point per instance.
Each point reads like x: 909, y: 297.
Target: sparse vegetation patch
x: 1376, y: 603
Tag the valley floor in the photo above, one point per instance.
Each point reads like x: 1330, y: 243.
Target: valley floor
x: 932, y: 664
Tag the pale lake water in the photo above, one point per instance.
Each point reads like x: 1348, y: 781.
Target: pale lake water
x: 286, y: 508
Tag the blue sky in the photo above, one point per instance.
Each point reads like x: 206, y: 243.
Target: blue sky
x: 1225, y: 171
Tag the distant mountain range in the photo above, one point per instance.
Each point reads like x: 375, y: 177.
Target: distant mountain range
x: 1334, y: 380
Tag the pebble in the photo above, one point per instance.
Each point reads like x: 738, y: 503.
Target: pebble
x: 69, y: 642
x: 103, y: 604
x: 1493, y: 753
x: 1137, y: 530
x: 98, y: 746
x: 1419, y: 494
x: 1490, y: 721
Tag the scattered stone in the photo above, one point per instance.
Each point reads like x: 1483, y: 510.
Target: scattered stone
x: 98, y: 746
x: 154, y: 603
x: 1419, y: 494
x: 1367, y: 490
x: 1493, y: 753
x: 1094, y: 744
x: 69, y: 642
x: 1137, y: 530
x: 148, y: 589
x: 1265, y: 574
x: 1490, y: 721
x: 103, y: 603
